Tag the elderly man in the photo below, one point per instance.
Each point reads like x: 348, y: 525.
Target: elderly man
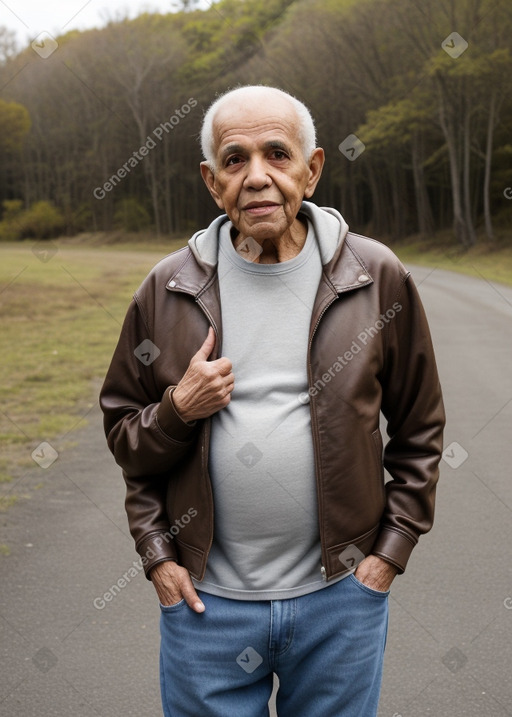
x: 243, y: 404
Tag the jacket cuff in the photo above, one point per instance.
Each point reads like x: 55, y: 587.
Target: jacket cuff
x: 155, y: 549
x: 393, y: 547
x: 170, y: 421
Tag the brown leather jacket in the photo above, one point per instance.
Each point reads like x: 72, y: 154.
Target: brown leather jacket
x: 369, y: 351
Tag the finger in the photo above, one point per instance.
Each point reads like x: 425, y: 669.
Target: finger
x: 204, y: 352
x: 167, y: 596
x: 191, y: 597
x: 222, y: 365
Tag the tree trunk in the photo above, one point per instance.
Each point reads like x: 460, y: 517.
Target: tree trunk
x: 377, y: 220
x: 399, y: 206
x: 459, y: 222
x: 423, y: 208
x: 488, y: 163
x: 167, y: 189
x: 149, y: 171
x: 470, y: 229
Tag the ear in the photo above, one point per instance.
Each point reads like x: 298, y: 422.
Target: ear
x: 316, y: 164
x: 209, y: 179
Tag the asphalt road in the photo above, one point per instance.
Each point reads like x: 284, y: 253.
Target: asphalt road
x: 449, y: 649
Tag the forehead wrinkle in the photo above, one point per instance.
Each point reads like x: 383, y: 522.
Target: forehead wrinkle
x: 231, y: 124
x: 286, y: 124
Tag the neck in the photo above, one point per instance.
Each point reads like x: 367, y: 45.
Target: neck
x: 284, y: 248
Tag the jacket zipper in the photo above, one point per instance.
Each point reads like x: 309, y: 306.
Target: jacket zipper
x: 314, y: 426
x: 206, y: 441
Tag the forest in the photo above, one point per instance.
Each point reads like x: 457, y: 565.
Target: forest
x: 411, y: 98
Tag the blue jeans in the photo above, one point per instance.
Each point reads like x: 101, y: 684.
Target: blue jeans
x: 326, y: 648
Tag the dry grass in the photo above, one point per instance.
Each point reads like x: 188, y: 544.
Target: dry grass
x: 60, y: 318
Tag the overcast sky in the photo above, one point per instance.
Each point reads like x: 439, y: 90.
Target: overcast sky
x: 28, y: 18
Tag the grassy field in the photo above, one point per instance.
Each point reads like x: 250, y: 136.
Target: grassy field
x: 492, y: 263
x: 61, y: 314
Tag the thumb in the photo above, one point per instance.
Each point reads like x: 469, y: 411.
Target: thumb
x: 204, y: 352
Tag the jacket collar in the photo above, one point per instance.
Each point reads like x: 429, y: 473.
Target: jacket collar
x: 344, y: 270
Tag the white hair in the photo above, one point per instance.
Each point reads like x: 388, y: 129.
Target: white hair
x: 307, y: 132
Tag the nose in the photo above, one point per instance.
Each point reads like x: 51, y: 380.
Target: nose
x: 257, y: 176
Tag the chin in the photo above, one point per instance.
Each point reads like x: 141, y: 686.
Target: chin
x: 266, y: 230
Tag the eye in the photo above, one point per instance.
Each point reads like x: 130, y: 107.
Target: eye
x: 279, y: 154
x: 233, y: 160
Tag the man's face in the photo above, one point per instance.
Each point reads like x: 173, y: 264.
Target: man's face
x: 261, y: 175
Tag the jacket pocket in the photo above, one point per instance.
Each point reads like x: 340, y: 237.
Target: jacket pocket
x: 347, y: 556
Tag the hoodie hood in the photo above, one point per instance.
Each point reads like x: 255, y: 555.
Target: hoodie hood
x: 329, y: 226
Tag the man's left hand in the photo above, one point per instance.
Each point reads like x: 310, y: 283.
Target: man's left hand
x: 376, y: 573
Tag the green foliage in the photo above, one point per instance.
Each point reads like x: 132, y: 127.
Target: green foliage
x: 229, y: 34
x: 131, y: 215
x: 41, y: 221
x: 80, y: 218
x: 392, y: 124
x: 12, y: 209
x: 14, y: 126
x: 10, y: 226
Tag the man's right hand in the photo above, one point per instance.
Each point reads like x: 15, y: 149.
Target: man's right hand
x: 206, y: 386
x: 172, y: 584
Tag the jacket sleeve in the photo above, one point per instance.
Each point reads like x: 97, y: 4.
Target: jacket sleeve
x: 413, y: 406
x: 147, y: 438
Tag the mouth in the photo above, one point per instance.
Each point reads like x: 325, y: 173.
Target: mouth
x: 260, y: 208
